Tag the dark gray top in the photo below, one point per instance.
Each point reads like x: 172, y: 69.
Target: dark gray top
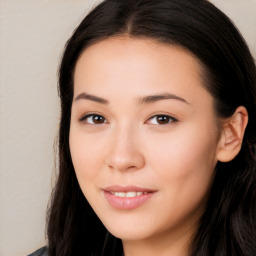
x: 40, y: 252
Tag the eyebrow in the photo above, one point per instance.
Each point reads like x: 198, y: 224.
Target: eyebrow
x: 86, y: 96
x: 143, y: 100
x: 164, y: 96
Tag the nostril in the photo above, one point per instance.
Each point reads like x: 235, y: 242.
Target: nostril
x: 126, y: 163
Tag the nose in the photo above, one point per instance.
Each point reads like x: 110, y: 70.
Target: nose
x: 125, y: 152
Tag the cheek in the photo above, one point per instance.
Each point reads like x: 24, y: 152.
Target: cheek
x: 85, y: 156
x: 185, y: 161
x: 183, y: 167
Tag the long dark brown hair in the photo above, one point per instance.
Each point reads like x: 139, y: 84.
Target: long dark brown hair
x: 228, y: 225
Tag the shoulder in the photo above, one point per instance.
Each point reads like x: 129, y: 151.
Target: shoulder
x: 41, y: 252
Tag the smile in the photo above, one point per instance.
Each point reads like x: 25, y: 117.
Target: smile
x: 130, y: 194
x: 128, y: 197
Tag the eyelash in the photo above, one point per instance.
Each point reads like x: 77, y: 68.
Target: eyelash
x: 167, y: 118
x: 86, y: 117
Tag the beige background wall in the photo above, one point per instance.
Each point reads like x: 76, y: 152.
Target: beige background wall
x: 32, y: 35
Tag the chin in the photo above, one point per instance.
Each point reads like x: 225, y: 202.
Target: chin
x: 129, y: 234
x: 128, y: 231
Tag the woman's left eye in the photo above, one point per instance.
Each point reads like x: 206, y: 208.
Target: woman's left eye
x: 161, y: 120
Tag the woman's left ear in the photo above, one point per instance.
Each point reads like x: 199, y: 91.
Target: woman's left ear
x: 232, y: 133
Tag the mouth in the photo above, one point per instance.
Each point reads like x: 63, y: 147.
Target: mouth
x: 130, y: 194
x: 127, y: 197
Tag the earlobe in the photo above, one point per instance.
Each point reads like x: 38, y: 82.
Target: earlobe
x: 232, y: 134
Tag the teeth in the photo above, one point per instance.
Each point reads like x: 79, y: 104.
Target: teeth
x: 120, y: 194
x: 131, y: 194
x: 128, y: 194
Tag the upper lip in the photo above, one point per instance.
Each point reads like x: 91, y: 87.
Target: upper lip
x: 118, y: 188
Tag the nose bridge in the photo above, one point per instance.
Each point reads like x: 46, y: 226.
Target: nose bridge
x: 125, y: 151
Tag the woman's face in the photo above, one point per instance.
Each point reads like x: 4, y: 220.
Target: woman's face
x: 143, y: 137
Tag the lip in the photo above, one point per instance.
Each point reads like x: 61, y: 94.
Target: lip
x: 127, y: 203
x: 118, y: 188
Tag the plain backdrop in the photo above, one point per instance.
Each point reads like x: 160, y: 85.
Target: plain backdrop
x: 32, y: 36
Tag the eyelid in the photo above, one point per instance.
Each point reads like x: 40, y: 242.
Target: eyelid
x: 88, y: 115
x: 171, y: 119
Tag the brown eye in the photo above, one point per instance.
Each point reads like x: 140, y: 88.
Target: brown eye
x: 97, y: 119
x: 161, y: 120
x: 93, y: 119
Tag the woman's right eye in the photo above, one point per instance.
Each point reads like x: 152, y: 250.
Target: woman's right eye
x: 93, y: 119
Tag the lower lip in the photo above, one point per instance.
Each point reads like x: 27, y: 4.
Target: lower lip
x: 126, y: 203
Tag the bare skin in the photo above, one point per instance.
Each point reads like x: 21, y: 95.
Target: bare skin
x: 142, y: 117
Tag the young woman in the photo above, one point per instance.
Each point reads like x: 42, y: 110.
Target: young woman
x: 157, y: 134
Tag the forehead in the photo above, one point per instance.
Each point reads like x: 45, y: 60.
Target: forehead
x: 140, y: 51
x: 145, y: 66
